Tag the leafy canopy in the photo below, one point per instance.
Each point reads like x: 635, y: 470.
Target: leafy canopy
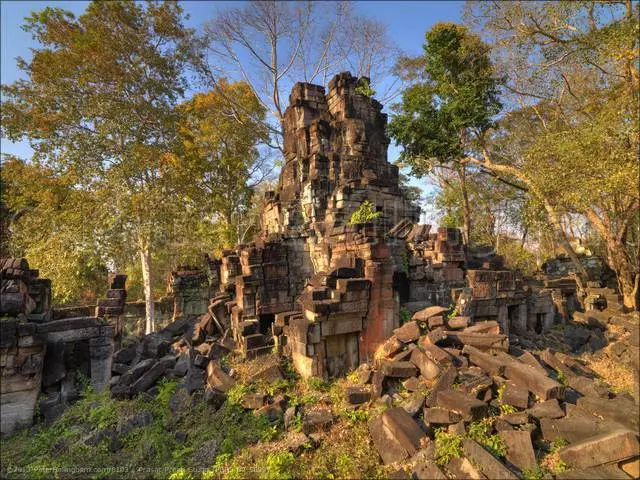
x: 455, y: 97
x: 98, y: 107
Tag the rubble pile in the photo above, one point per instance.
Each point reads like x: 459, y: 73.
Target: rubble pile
x: 188, y: 349
x: 470, y: 383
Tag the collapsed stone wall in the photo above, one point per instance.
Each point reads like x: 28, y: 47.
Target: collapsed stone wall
x: 501, y: 295
x: 188, y: 292
x: 21, y: 350
x: 43, y: 353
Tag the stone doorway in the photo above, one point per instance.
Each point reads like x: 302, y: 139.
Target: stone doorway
x: 401, y: 286
x: 266, y: 320
x: 342, y: 354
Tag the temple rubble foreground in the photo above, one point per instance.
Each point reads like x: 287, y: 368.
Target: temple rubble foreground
x: 391, y: 300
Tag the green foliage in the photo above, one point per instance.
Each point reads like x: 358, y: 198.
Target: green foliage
x: 453, y: 313
x: 501, y: 391
x: 277, y: 386
x: 241, y: 427
x: 557, y: 444
x: 365, y: 213
x: 562, y: 378
x: 237, y: 392
x: 359, y: 415
x: 318, y: 384
x: 405, y: 315
x: 516, y: 256
x: 458, y: 94
x: 105, y: 413
x: 220, y: 155
x: 364, y: 87
x: 506, y: 409
x: 44, y: 200
x: 181, y: 474
x: 120, y: 166
x: 537, y: 473
x: 166, y: 388
x: 479, y: 431
x: 574, y: 140
x: 560, y: 466
x: 222, y: 461
x: 448, y: 446
x: 280, y: 466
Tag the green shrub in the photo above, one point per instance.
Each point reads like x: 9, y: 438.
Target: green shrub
x: 166, y: 388
x: 104, y: 414
x: 280, y: 466
x: 506, y: 409
x: 237, y: 392
x: 479, y: 431
x: 501, y: 391
x: 318, y: 384
x: 365, y: 213
x: 562, y: 378
x: 363, y: 87
x: 354, y: 416
x: 516, y: 256
x: 448, y: 446
x: 536, y: 473
x: 557, y: 444
x: 405, y: 315
x: 181, y: 474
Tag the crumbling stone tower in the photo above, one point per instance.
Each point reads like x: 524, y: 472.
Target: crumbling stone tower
x: 325, y: 292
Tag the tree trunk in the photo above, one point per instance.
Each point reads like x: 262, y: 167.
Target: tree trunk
x: 561, y: 237
x: 619, y: 259
x: 554, y: 217
x: 466, y: 210
x: 627, y: 280
x: 145, y: 263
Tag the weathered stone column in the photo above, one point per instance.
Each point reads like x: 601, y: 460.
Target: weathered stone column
x: 503, y: 318
x: 101, y: 351
x: 520, y: 322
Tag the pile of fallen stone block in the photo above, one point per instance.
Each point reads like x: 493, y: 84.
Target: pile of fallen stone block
x: 188, y: 349
x: 444, y: 374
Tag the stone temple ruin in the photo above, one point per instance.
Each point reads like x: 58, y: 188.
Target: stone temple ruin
x: 327, y: 292
x: 331, y: 295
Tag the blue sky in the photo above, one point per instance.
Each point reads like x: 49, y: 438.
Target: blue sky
x: 407, y: 21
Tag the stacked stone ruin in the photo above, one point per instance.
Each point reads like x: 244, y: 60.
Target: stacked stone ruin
x: 43, y: 353
x: 21, y: 351
x: 327, y: 292
x: 312, y: 285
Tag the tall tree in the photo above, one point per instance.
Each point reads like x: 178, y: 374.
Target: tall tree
x: 221, y: 156
x: 272, y: 44
x: 451, y: 103
x: 100, y: 99
x: 48, y: 225
x: 573, y: 76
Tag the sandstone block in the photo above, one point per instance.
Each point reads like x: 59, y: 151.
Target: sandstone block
x: 519, y: 449
x: 601, y: 449
x: 469, y: 407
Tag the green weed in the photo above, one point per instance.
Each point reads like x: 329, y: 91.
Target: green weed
x: 479, y: 431
x: 280, y: 466
x: 448, y: 446
x: 507, y: 409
